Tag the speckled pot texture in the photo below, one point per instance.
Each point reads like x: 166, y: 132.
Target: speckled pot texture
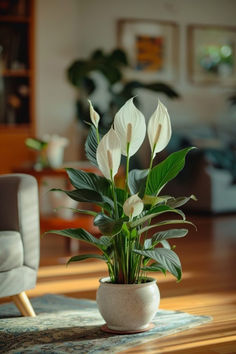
x: 128, y: 307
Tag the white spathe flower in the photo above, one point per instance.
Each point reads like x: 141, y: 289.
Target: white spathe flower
x: 159, y: 129
x: 129, y: 123
x: 93, y: 115
x: 109, y: 154
x: 133, y: 206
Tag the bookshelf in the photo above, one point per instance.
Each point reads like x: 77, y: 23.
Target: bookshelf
x: 17, y: 120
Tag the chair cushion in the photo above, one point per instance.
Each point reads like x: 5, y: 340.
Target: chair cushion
x: 11, y: 250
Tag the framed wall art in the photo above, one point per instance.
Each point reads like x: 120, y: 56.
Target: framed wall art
x: 212, y: 54
x: 151, y: 47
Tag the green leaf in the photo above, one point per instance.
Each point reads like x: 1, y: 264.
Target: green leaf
x: 91, y: 145
x: 157, y: 210
x: 165, y: 244
x: 107, y: 225
x: 79, y: 234
x: 165, y: 222
x: 177, y: 202
x: 89, y: 196
x: 88, y: 180
x: 85, y: 256
x: 172, y: 233
x: 80, y: 211
x: 165, y: 171
x: 121, y: 196
x: 154, y: 267
x: 137, y: 181
x: 148, y: 243
x: 166, y: 258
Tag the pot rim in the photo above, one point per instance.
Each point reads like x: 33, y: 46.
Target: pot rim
x: 105, y: 281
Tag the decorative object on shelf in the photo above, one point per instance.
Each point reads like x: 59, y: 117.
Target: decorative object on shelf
x: 101, y: 79
x: 127, y: 215
x: 151, y: 47
x: 51, y: 150
x: 211, y: 54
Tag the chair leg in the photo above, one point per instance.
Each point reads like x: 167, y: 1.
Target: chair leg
x: 23, y: 304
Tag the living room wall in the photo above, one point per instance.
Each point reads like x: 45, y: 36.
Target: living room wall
x: 66, y: 30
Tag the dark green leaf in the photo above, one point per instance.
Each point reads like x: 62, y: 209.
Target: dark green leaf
x: 166, y: 258
x: 87, y: 180
x: 89, y: 196
x: 166, y: 171
x: 177, y: 202
x: 157, y: 210
x: 154, y: 267
x: 85, y: 256
x: 82, y: 195
x: 79, y: 234
x: 107, y: 225
x: 137, y: 181
x: 91, y: 146
x: 121, y: 196
x: 165, y: 222
x: 173, y: 233
x: 80, y: 211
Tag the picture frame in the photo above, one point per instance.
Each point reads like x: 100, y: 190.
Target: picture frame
x: 152, y: 48
x: 211, y: 52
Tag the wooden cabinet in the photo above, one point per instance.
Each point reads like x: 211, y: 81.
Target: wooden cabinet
x: 16, y: 81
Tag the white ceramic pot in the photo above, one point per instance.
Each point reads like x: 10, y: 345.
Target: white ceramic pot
x: 128, y: 307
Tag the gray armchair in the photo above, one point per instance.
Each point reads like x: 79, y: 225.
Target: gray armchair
x: 19, y: 238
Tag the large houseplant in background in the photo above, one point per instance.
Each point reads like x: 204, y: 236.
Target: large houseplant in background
x: 131, y: 220
x: 100, y: 78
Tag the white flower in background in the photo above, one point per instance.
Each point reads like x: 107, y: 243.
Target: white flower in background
x: 159, y: 129
x: 93, y: 115
x: 133, y: 206
x: 129, y: 124
x: 109, y: 154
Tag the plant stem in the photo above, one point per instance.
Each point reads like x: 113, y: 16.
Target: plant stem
x: 127, y: 171
x: 97, y: 133
x: 114, y: 197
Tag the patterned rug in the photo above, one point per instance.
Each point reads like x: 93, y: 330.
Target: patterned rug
x: 66, y: 325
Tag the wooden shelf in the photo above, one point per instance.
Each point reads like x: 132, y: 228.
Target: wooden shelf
x: 15, y: 73
x: 17, y: 115
x: 14, y: 19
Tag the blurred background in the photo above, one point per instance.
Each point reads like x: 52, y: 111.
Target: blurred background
x: 56, y: 54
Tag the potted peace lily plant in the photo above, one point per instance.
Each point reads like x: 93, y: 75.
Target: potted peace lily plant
x: 130, y: 220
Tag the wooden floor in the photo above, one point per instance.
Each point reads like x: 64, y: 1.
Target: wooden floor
x: 208, y: 286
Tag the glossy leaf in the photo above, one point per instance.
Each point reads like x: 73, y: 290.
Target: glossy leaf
x: 166, y: 258
x: 88, y: 180
x: 82, y: 195
x: 158, y: 210
x: 165, y: 222
x: 80, y: 234
x: 165, y: 171
x: 91, y: 146
x: 168, y: 234
x: 154, y: 267
x: 107, y: 225
x: 177, y: 202
x: 82, y: 257
x: 137, y: 181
